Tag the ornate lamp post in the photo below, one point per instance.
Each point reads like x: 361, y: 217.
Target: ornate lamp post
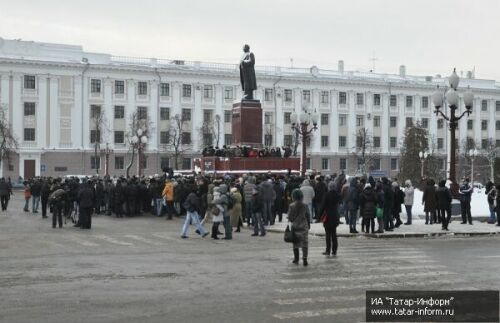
x: 300, y: 124
x: 452, y: 99
x: 472, y: 154
x: 139, y: 141
x: 423, y: 156
x: 107, y: 151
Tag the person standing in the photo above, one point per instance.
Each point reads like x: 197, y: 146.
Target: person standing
x: 192, y: 205
x: 57, y: 202
x: 267, y: 194
x: 4, y: 193
x: 223, y: 200
x: 248, y: 189
x: 399, y: 197
x: 497, y: 208
x: 279, y: 192
x: 27, y: 196
x: 168, y: 197
x: 465, y: 192
x: 491, y: 193
x: 257, y: 211
x: 388, y: 202
x: 330, y: 207
x: 235, y: 212
x: 443, y: 197
x: 307, y: 196
x: 353, y: 204
x: 299, y: 217
x: 44, y: 194
x: 36, y: 188
x: 429, y: 202
x: 368, y: 204
x: 320, y: 189
x: 409, y: 194
x: 86, y: 197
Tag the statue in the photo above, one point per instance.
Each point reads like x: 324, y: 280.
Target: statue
x: 247, y: 73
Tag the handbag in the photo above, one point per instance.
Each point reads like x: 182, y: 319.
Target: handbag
x: 289, y: 234
x: 379, y: 213
x: 324, y: 218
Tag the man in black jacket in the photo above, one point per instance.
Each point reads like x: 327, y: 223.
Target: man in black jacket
x: 45, y: 193
x: 36, y: 189
x: 192, y: 204
x: 87, y: 199
x: 4, y: 193
x: 388, y: 203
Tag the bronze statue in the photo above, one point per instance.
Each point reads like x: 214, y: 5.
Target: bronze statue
x: 247, y: 73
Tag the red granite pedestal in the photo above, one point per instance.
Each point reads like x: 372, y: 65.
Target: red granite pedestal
x: 241, y: 165
x: 247, y: 123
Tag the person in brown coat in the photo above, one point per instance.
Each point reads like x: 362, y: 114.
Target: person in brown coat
x: 299, y: 217
x: 430, y: 202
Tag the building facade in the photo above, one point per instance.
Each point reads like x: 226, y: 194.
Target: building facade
x: 52, y: 96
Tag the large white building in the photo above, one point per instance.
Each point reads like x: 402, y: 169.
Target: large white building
x: 49, y: 94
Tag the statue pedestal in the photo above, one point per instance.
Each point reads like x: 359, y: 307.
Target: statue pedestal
x: 247, y: 123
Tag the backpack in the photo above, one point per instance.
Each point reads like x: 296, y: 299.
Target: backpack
x: 230, y: 202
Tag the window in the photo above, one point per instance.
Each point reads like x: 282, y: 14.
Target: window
x: 409, y: 101
x: 95, y: 86
x: 393, y: 100
x: 360, y: 121
x: 484, y: 143
x: 119, y: 112
x: 359, y: 98
x: 497, y: 125
x: 164, y: 89
x: 376, y: 142
x: 425, y: 102
x: 306, y: 96
x: 165, y: 162
x: 484, y: 105
x: 208, y: 91
x: 409, y: 122
x: 394, y: 142
x: 29, y: 134
x: 342, y: 120
x: 425, y: 123
x: 228, y: 93
x: 324, y: 141
x: 359, y: 141
x: 308, y: 163
x: 228, y: 116
x: 142, y: 88
x: 484, y: 124
x: 144, y: 162
x: 288, y: 95
x: 95, y: 111
x: 440, y: 143
x: 325, y: 97
x: 207, y: 115
x: 228, y: 139
x: 119, y: 137
x: 268, y: 95
x: 119, y: 162
x: 29, y: 82
x: 394, y: 164
x: 95, y: 136
x: 29, y: 109
x: 186, y: 90
x: 268, y: 140
x: 343, y: 164
x: 95, y: 162
x: 186, y: 114
x: 287, y: 140
x: 440, y: 124
x: 164, y: 114
x: 376, y: 99
x: 119, y: 87
x: 470, y: 124
x: 268, y: 118
x: 287, y: 118
x: 342, y: 141
x: 393, y: 121
x: 342, y: 97
x: 376, y: 121
x: 142, y: 113
x: 186, y: 138
x: 324, y: 119
x: 207, y: 139
x: 186, y: 163
x: 164, y: 137
x: 375, y: 164
x: 497, y: 106
x: 325, y: 163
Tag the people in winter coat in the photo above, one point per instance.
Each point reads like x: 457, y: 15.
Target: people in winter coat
x: 491, y: 193
x: 429, y: 202
x: 353, y: 203
x: 257, y: 211
x: 235, y: 212
x: 36, y: 189
x: 168, y: 197
x: 4, y: 194
x: 399, y: 197
x: 443, y: 196
x: 330, y: 208
x: 223, y: 201
x: 308, y: 196
x: 192, y: 204
x: 45, y: 193
x: 279, y: 192
x: 299, y: 217
x: 465, y: 192
x: 388, y: 203
x: 86, y: 198
x: 320, y: 190
x: 379, y: 192
x: 248, y: 189
x: 409, y: 194
x: 267, y: 193
x: 368, y: 205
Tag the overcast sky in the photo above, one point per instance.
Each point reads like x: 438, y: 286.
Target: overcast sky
x: 428, y: 36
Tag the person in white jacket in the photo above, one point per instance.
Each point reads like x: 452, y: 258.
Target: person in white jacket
x: 409, y: 192
x: 308, y: 192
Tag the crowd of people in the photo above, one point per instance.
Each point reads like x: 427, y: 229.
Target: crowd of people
x: 246, y: 151
x: 227, y: 203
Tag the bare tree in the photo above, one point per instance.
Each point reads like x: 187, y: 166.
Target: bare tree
x: 364, y: 150
x: 490, y: 153
x: 137, y: 122
x: 268, y: 133
x: 101, y: 128
x: 296, y: 140
x: 209, y: 132
x: 8, y: 142
x: 177, y: 143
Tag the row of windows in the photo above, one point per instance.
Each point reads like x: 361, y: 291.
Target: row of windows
x: 95, y: 161
x: 375, y: 164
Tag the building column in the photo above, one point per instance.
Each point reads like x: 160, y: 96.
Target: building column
x: 384, y: 123
x: 334, y: 122
x: 197, y: 118
x: 492, y: 120
x: 153, y: 142
x: 351, y: 121
x: 279, y: 117
x: 219, y: 109
x: 41, y: 112
x: 53, y: 118
x: 107, y: 109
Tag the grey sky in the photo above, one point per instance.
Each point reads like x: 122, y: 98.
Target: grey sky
x: 428, y: 36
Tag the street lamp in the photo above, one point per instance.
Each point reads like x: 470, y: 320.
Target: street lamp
x: 300, y: 124
x: 423, y: 156
x: 139, y: 141
x: 107, y: 151
x: 472, y: 154
x: 452, y: 98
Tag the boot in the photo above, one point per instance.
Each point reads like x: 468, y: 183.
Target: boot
x: 304, y: 256
x: 295, y: 256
